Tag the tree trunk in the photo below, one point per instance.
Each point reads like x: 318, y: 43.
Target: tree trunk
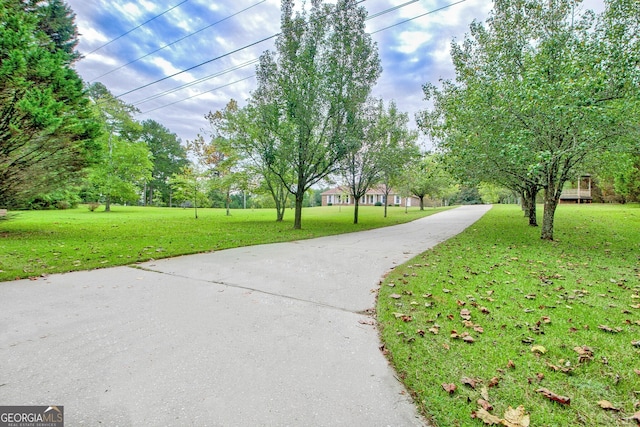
x: 228, y: 202
x: 297, y: 222
x: 421, y: 203
x: 355, y: 211
x: 107, y: 203
x: 550, y: 205
x: 530, y: 203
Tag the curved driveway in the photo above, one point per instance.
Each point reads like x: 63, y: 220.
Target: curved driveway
x: 270, y: 335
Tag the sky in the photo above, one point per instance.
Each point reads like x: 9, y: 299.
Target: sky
x: 139, y: 49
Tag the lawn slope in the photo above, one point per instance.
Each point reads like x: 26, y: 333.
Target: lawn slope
x: 497, y: 319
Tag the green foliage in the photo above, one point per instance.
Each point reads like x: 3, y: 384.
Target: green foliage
x: 309, y: 91
x: 47, y: 127
x: 520, y: 292
x: 168, y: 157
x: 42, y: 242
x: 539, y: 90
x: 381, y: 147
x: 125, y: 161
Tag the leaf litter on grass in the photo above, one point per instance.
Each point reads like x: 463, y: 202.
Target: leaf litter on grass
x: 524, y: 293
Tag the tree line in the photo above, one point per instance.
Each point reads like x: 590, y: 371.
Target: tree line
x: 543, y: 91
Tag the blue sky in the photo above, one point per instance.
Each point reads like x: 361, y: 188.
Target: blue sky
x: 412, y: 53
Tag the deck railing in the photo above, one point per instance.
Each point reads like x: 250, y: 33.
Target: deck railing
x: 574, y: 193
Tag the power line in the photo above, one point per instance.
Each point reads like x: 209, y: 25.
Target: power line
x: 193, y: 83
x: 198, y: 94
x: 232, y: 83
x: 419, y: 16
x: 135, y: 28
x: 197, y: 65
x: 205, y: 62
x: 179, y: 40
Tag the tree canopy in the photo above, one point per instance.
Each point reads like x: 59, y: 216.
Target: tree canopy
x: 539, y: 90
x: 47, y: 129
x: 310, y: 90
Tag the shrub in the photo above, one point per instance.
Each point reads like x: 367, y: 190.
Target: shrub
x: 93, y: 206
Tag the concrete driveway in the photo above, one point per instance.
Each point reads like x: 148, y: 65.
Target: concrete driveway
x: 270, y: 335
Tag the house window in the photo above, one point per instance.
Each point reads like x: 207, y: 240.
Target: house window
x: 396, y: 200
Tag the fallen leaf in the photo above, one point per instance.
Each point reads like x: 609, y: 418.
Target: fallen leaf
x: 635, y: 343
x: 395, y: 296
x: 563, y: 369
x: 434, y: 330
x: 545, y: 319
x: 484, y: 310
x: 420, y: 332
x: 484, y: 393
x: 538, y: 349
x: 485, y: 405
x: 469, y: 381
x: 553, y: 396
x: 398, y: 315
x: 478, y: 329
x: 605, y: 404
x: 516, y: 417
x: 460, y: 303
x: 445, y: 290
x: 486, y: 417
x: 494, y: 381
x: 636, y: 417
x: 637, y: 371
x: 585, y: 353
x: 406, y: 318
x: 511, y: 365
x: 449, y: 388
x: 468, y: 339
x: 465, y: 314
x: 608, y: 329
x: 446, y: 346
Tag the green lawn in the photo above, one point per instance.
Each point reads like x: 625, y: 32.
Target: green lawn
x: 33, y: 243
x: 501, y: 315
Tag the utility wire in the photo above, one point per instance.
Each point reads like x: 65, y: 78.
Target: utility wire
x: 193, y: 83
x: 197, y: 65
x: 205, y: 62
x: 419, y: 16
x: 201, y: 93
x: 179, y: 40
x: 232, y: 83
x: 135, y: 28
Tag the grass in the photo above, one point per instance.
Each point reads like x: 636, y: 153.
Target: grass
x: 532, y: 305
x: 33, y: 243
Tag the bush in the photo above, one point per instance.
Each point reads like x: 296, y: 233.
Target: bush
x: 378, y: 204
x: 93, y: 206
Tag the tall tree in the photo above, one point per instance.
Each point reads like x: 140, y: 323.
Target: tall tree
x: 126, y: 162
x: 169, y: 157
x: 47, y: 130
x: 381, y: 146
x: 311, y: 88
x: 539, y: 90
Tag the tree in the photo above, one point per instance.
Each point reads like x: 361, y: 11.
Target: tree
x: 169, y: 157
x: 381, y: 146
x: 538, y: 91
x: 399, y: 151
x: 310, y: 90
x: 428, y: 178
x: 361, y: 167
x: 126, y: 163
x: 188, y: 188
x: 47, y: 130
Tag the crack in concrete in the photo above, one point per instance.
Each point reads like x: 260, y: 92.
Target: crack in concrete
x: 362, y: 312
